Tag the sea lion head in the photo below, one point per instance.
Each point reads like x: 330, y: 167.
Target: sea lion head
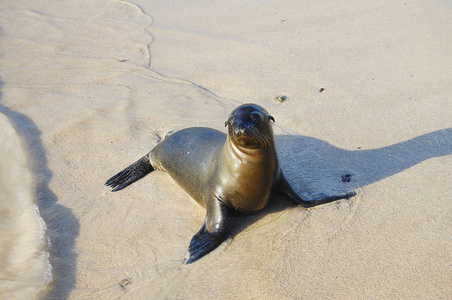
x: 249, y: 127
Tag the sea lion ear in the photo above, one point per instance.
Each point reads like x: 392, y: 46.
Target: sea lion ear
x: 271, y: 118
x: 229, y: 121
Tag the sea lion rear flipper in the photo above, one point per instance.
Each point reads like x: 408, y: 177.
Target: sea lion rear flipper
x: 285, y: 189
x: 132, y: 173
x: 213, y: 232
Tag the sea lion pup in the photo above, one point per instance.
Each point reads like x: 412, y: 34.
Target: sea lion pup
x: 237, y: 171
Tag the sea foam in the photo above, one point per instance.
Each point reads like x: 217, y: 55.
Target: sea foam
x: 24, y: 261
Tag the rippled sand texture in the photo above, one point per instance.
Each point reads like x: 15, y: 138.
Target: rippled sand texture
x: 94, y: 85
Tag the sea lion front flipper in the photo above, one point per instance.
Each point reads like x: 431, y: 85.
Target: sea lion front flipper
x: 132, y: 173
x: 213, y: 232
x: 283, y: 187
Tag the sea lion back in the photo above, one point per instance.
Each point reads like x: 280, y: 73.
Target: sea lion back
x: 187, y: 156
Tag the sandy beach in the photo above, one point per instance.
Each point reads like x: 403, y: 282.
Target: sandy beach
x: 88, y: 87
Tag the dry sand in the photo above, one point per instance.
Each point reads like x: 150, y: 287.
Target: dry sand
x: 92, y: 85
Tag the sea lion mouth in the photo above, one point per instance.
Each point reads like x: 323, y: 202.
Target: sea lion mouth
x: 251, y: 139
x: 245, y: 140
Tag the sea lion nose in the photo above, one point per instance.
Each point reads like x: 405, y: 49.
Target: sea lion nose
x: 239, y: 129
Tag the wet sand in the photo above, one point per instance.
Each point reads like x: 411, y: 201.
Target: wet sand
x: 91, y: 86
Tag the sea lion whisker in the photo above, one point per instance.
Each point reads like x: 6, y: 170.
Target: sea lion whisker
x: 263, y: 139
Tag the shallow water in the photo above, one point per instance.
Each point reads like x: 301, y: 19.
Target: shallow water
x: 24, y: 261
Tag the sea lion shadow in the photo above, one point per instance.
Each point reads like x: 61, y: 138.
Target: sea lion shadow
x: 315, y: 167
x: 62, y: 225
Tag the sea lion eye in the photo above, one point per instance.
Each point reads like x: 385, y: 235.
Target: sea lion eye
x: 256, y: 117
